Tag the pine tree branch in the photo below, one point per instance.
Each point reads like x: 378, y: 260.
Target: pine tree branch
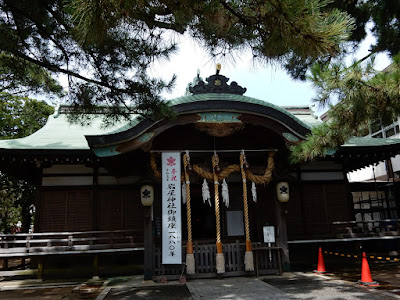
x: 57, y: 69
x: 375, y: 89
x: 172, y: 26
x: 232, y: 11
x: 284, y: 13
x: 43, y: 32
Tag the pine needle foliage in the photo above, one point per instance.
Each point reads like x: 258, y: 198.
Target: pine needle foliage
x: 272, y: 29
x: 106, y: 47
x: 381, y: 18
x: 363, y: 96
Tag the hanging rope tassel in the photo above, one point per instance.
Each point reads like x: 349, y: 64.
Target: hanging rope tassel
x: 220, y: 259
x: 254, y: 191
x: 225, y: 193
x: 184, y: 193
x: 206, y: 192
x: 190, y: 264
x: 248, y: 256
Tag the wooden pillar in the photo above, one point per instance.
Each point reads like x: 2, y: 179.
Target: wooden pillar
x: 148, y: 244
x: 95, y: 188
x: 281, y: 234
x: 95, y: 265
x: 40, y: 267
x: 5, y: 264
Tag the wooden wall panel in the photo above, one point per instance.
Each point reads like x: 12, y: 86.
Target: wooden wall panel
x: 262, y: 212
x: 315, y: 209
x: 295, y: 217
x: 133, y: 212
x: 72, y: 210
x: 53, y: 211
x: 324, y: 203
x: 339, y: 204
x: 109, y: 209
x: 66, y: 210
x: 119, y: 209
x: 79, y: 211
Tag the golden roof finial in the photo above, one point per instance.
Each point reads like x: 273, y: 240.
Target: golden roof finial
x: 218, y: 68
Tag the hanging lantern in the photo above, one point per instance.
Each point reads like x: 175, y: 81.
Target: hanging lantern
x: 282, y: 191
x: 147, y: 195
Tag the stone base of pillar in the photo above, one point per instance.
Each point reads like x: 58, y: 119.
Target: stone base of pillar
x: 248, y: 261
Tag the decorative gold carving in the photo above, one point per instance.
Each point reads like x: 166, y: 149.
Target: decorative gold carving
x: 219, y: 129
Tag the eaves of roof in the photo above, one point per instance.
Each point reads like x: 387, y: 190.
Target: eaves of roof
x: 359, y: 152
x: 210, y: 102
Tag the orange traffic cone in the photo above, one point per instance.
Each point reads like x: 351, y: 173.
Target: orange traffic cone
x: 366, y: 278
x: 321, y: 263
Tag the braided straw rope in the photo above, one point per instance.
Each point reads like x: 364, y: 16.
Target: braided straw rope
x: 186, y: 161
x: 153, y: 164
x: 215, y: 161
x: 264, y: 179
x: 190, y: 262
x: 258, y: 179
x: 248, y: 256
x: 219, y: 258
x: 210, y: 176
x: 245, y: 206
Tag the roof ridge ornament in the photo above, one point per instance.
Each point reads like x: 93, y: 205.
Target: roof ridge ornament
x: 57, y: 107
x: 215, y: 84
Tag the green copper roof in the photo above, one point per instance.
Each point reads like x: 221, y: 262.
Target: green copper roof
x: 58, y: 133
x: 305, y: 119
x: 239, y: 98
x: 369, y: 142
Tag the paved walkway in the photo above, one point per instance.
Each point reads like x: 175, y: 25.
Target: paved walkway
x: 289, y: 286
x: 237, y: 288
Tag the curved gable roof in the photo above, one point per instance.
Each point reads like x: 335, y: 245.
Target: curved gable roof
x: 209, y: 102
x: 59, y: 134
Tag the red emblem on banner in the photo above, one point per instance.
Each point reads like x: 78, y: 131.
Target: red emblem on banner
x: 171, y: 161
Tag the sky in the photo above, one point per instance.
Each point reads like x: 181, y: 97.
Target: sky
x: 270, y: 83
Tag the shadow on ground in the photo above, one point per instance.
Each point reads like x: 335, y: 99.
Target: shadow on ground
x: 168, y: 292
x: 314, y: 287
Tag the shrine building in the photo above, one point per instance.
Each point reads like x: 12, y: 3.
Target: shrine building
x: 208, y: 193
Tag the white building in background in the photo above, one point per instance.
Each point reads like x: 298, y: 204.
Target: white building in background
x: 388, y: 170
x: 376, y: 188
x: 380, y: 203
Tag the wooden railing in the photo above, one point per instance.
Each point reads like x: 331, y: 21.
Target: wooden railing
x: 268, y: 262
x: 366, y: 228
x: 27, y: 245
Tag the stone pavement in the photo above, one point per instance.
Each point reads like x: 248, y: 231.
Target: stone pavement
x: 289, y: 286
x: 238, y: 288
x: 296, y: 285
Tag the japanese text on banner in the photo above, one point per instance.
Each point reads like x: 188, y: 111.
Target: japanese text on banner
x: 171, y: 208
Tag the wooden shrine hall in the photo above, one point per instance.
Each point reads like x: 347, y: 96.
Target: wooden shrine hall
x: 209, y: 192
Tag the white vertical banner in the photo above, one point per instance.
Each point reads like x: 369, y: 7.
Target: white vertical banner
x: 171, y: 208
